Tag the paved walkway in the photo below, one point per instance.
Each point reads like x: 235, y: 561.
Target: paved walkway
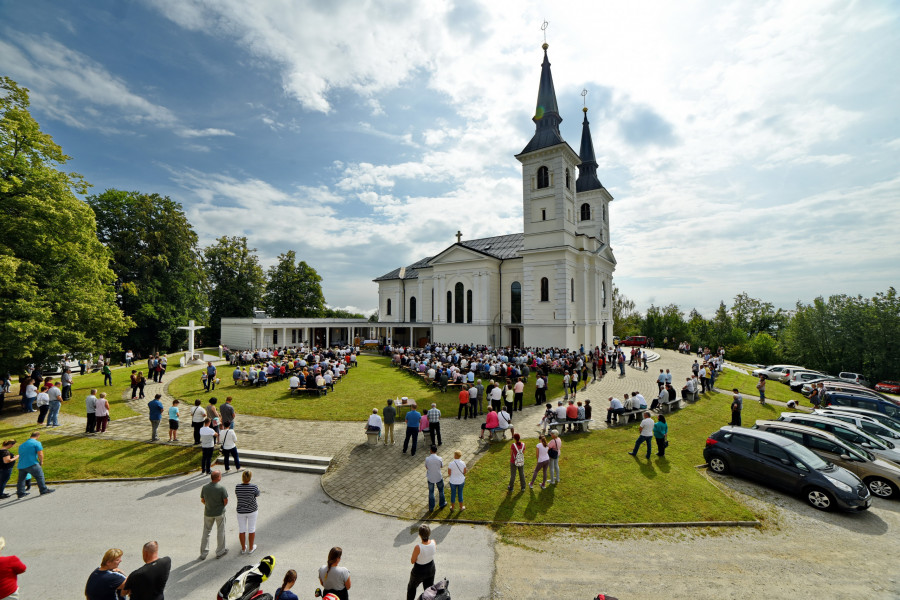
x: 381, y: 478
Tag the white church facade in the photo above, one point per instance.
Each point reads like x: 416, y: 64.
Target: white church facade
x: 549, y: 286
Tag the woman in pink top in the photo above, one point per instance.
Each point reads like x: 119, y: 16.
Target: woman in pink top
x: 554, y: 448
x: 491, y: 422
x: 543, y: 459
x: 516, y: 455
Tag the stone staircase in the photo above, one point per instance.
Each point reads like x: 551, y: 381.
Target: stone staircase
x: 281, y: 461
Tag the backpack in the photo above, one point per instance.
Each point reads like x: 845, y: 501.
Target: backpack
x: 520, y: 456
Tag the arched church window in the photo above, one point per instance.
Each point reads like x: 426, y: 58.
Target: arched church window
x: 412, y: 309
x: 459, y: 299
x: 603, y: 293
x: 449, y: 318
x: 545, y: 289
x: 543, y: 177
x: 572, y: 290
x: 568, y: 183
x: 469, y: 306
x: 515, y: 302
x: 388, y: 311
x: 585, y: 212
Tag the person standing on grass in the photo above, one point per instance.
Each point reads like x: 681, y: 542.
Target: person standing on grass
x: 761, y: 386
x: 434, y: 466
x: 737, y: 404
x: 141, y: 381
x: 389, y: 413
x: 208, y: 437
x: 214, y: 497
x: 516, y: 462
x: 457, y: 471
x: 156, y: 411
x: 107, y: 375
x: 43, y: 405
x: 198, y: 417
x: 173, y: 421
x: 66, y: 384
x: 661, y: 433
x: 554, y: 450
x: 423, y: 563
x: 101, y: 413
x: 90, y: 403
x: 645, y: 436
x: 543, y: 460
x: 7, y: 463
x: 518, y: 394
x: 247, y: 512
x: 463, y: 403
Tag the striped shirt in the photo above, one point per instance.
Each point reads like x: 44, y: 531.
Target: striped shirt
x: 246, y: 494
x: 434, y: 415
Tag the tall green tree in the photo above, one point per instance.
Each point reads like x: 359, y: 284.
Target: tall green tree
x: 56, y: 287
x: 294, y: 289
x: 155, y: 256
x: 236, y: 281
x: 626, y: 320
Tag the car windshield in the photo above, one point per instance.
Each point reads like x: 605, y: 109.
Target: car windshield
x: 809, y: 457
x: 860, y: 453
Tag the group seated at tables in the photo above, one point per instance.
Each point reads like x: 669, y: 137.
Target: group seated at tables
x: 317, y: 371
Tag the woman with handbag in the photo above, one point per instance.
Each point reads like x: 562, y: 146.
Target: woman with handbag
x: 554, y: 447
x: 198, y: 417
x: 516, y: 462
x: 543, y: 459
x: 661, y: 433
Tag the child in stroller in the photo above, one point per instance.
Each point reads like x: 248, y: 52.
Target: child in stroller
x: 244, y: 585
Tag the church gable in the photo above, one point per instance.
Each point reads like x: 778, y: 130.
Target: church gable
x: 458, y: 253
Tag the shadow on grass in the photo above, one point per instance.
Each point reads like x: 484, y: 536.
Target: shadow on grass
x: 539, y: 502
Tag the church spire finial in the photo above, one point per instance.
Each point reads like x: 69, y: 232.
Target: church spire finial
x: 587, y: 170
x: 546, y: 113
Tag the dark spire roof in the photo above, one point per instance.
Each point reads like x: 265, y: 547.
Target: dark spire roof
x: 546, y: 114
x: 587, y: 170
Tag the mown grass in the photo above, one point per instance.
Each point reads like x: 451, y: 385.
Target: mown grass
x: 90, y: 458
x: 600, y: 483
x: 746, y: 384
x: 366, y: 387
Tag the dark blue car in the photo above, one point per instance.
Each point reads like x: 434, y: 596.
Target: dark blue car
x: 778, y: 462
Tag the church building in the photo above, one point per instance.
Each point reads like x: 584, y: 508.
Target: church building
x: 549, y: 286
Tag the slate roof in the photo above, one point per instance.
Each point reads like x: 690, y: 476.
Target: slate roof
x: 501, y: 247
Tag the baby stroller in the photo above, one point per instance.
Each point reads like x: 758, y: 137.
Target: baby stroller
x: 245, y: 583
x: 439, y: 591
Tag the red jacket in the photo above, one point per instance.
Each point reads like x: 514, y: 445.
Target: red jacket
x: 10, y: 567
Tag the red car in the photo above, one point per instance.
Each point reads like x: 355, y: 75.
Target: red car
x: 634, y: 340
x: 891, y: 387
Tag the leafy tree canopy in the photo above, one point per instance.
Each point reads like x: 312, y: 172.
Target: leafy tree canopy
x: 56, y: 287
x: 236, y: 281
x: 294, y: 289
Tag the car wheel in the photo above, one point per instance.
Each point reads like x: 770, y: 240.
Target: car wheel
x: 880, y: 487
x: 718, y: 465
x: 819, y: 498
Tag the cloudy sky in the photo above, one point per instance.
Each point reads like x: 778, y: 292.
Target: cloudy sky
x: 750, y: 146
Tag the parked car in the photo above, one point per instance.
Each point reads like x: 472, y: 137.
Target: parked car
x: 848, y: 433
x: 805, y: 387
x: 634, y: 340
x: 890, y: 387
x: 881, y: 477
x: 849, y: 388
x: 798, y: 377
x: 880, y: 417
x: 877, y: 404
x: 853, y: 377
x: 776, y: 372
x: 863, y: 422
x: 777, y: 461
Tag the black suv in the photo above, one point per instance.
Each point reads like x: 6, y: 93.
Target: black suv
x: 779, y: 462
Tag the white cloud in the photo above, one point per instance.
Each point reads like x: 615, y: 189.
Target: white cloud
x: 208, y: 132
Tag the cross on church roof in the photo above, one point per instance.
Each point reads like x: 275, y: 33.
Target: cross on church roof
x: 458, y: 237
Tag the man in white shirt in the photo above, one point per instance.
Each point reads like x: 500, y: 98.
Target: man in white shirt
x: 688, y: 389
x: 663, y: 397
x: 434, y: 465
x: 374, y: 422
x: 646, y: 435
x: 208, y: 437
x: 91, y: 405
x: 504, y: 421
x: 561, y: 411
x: 638, y: 401
x: 294, y: 382
x: 615, y: 409
x: 496, y: 397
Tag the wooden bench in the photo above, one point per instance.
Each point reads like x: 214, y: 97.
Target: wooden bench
x: 560, y: 425
x: 304, y: 390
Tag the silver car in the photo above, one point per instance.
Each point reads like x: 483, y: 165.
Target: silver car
x: 882, y: 418
x: 853, y: 378
x: 848, y: 433
x: 880, y: 476
x: 863, y: 422
x: 776, y: 372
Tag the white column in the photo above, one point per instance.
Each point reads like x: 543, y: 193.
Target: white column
x: 486, y: 316
x: 328, y: 337
x: 441, y: 299
x: 283, y: 341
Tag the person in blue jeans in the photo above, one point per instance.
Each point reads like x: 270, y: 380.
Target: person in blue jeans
x: 31, y: 458
x: 156, y: 411
x: 646, y: 435
x: 457, y: 470
x: 434, y: 465
x: 413, y: 417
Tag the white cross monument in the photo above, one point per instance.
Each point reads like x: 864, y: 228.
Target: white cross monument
x: 193, y: 358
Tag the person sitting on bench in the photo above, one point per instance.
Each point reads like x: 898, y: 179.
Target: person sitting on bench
x: 663, y: 397
x: 374, y: 423
x: 320, y: 383
x: 689, y: 388
x: 491, y: 422
x: 638, y: 402
x: 571, y: 414
x: 504, y: 421
x: 615, y: 409
x: 294, y: 383
x: 261, y: 378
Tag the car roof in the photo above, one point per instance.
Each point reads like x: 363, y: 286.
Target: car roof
x: 819, y: 419
x: 854, y: 410
x: 803, y: 429
x: 762, y: 435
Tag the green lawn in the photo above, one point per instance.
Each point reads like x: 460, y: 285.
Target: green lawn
x: 600, y: 483
x: 81, y: 387
x: 90, y: 458
x: 366, y: 387
x: 775, y: 390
